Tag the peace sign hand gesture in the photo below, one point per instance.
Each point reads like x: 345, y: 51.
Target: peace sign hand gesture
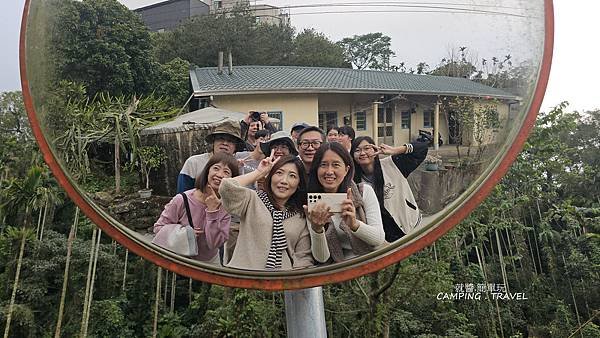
x: 211, y: 200
x: 387, y: 150
x: 264, y: 167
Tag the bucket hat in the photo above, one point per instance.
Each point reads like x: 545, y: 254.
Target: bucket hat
x: 279, y: 137
x: 228, y: 127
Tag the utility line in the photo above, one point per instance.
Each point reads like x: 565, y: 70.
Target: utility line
x: 433, y: 7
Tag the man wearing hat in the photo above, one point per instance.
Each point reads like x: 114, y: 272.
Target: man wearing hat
x: 224, y: 138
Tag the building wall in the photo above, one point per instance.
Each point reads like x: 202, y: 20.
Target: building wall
x: 169, y: 14
x: 270, y: 15
x: 216, y: 5
x: 295, y: 107
x: 306, y: 107
x: 491, y: 135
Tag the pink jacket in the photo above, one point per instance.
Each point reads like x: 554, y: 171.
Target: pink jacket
x: 215, y: 224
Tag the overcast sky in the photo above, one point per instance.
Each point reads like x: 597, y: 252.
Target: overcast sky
x: 425, y: 37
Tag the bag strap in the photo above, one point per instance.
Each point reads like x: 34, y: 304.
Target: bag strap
x: 187, y: 208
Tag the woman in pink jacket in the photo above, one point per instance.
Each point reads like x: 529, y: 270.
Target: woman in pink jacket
x: 211, y: 221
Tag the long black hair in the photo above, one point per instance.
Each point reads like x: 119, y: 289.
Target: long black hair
x: 377, y: 173
x: 313, y: 180
x: 298, y: 198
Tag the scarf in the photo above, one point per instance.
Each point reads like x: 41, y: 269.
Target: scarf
x: 278, y: 241
x: 358, y: 246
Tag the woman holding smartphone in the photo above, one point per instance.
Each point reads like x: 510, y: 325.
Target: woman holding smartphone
x: 355, y: 231
x: 273, y: 233
x: 388, y: 177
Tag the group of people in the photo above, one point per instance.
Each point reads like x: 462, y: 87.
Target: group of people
x: 248, y: 196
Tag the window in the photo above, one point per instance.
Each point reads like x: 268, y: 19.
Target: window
x: 405, y: 120
x: 428, y: 119
x: 389, y: 131
x: 348, y: 120
x: 361, y: 120
x: 327, y: 119
x: 388, y: 115
x: 279, y: 116
x: 218, y: 4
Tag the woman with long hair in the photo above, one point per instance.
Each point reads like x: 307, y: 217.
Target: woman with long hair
x: 273, y: 234
x: 388, y: 177
x: 355, y: 231
x: 211, y: 221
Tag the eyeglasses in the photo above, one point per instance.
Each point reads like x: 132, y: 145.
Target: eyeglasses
x: 280, y: 147
x: 368, y: 149
x: 305, y: 144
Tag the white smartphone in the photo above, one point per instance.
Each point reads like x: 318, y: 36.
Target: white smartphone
x: 332, y: 200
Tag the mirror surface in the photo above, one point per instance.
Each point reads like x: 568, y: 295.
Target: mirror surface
x: 108, y: 97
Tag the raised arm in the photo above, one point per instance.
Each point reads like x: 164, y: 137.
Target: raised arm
x: 406, y: 157
x: 263, y: 169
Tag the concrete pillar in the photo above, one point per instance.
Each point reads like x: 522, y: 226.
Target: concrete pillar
x: 436, y: 126
x: 375, y: 112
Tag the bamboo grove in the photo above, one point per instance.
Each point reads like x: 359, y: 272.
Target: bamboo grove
x: 536, y: 234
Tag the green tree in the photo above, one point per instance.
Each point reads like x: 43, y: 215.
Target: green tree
x: 200, y: 39
x: 173, y: 82
x: 368, y: 51
x: 273, y: 44
x: 314, y: 49
x: 17, y: 147
x: 458, y: 64
x: 103, y: 45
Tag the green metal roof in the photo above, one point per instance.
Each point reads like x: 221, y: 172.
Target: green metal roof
x: 294, y: 79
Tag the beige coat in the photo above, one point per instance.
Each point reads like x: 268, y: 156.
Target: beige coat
x: 256, y: 228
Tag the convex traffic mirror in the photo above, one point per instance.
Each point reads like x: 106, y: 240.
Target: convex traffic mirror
x: 104, y: 87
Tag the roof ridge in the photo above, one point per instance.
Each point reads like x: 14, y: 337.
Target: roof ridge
x: 272, y: 77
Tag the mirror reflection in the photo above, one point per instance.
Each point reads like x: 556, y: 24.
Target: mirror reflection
x: 274, y: 135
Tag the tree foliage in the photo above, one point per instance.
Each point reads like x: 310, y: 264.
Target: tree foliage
x: 104, y: 46
x: 368, y: 51
x: 200, y: 39
x: 537, y: 233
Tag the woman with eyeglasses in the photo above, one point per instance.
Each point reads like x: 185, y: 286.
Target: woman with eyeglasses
x: 355, y: 231
x: 388, y: 177
x: 273, y: 234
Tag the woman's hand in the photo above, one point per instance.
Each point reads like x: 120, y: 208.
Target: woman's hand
x: 265, y: 165
x: 389, y: 150
x: 349, y: 212
x: 318, y: 216
x: 213, y: 203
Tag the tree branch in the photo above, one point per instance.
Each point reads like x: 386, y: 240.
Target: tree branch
x: 387, y: 284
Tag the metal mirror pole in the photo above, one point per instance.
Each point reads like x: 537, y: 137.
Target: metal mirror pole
x: 305, y: 313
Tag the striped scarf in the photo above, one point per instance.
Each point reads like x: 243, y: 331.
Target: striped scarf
x: 278, y: 241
